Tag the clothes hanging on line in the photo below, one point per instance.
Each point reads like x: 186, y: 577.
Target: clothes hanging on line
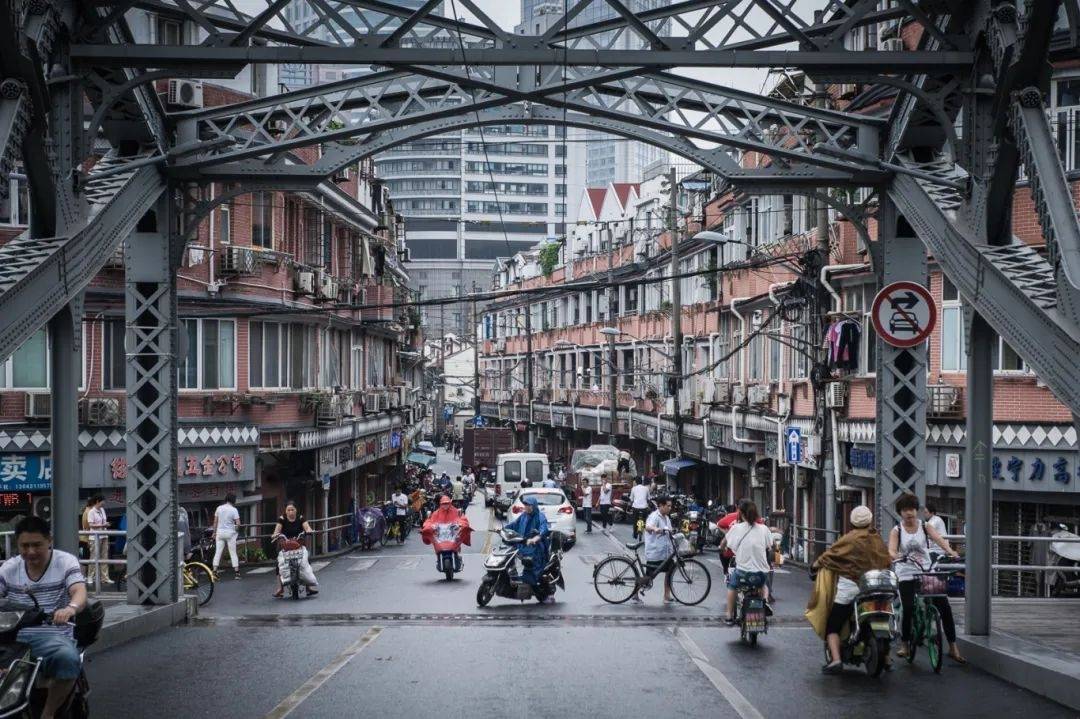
x: 844, y: 338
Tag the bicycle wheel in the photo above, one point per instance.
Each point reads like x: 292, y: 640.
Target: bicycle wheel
x: 689, y: 581
x: 932, y: 637
x: 917, y: 623
x: 615, y: 579
x: 199, y: 580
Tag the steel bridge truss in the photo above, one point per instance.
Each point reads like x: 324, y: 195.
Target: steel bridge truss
x: 970, y: 88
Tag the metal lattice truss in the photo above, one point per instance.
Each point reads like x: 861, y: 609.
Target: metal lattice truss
x: 704, y: 33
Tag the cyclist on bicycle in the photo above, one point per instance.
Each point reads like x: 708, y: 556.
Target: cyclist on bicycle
x: 400, y: 501
x: 909, y: 547
x: 750, y: 541
x: 292, y: 525
x: 658, y: 545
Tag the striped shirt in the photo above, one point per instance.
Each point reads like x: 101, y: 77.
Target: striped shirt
x: 51, y: 590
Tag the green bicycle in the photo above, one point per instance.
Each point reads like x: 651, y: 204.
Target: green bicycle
x: 926, y: 620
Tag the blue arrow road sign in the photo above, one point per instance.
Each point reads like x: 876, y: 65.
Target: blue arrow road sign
x: 793, y: 442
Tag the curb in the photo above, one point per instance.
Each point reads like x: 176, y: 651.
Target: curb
x: 144, y: 624
x: 1039, y: 669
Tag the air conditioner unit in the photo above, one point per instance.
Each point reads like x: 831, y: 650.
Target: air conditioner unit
x: 893, y: 44
x: 500, y: 344
x: 758, y: 396
x: 38, y: 406
x: 835, y: 395
x: 327, y: 287
x: 100, y: 412
x: 238, y: 261
x: 305, y: 282
x: 43, y: 507
x: 708, y: 393
x: 185, y: 93
x: 848, y: 90
x: 738, y: 395
x: 371, y: 403
x: 722, y: 392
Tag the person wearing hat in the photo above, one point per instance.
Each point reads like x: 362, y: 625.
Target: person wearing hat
x: 851, y: 556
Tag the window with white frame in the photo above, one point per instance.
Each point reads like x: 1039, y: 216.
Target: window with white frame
x: 302, y: 356
x: 268, y: 355
x: 15, y: 208
x: 858, y: 300
x: 775, y: 348
x: 262, y: 219
x: 721, y: 346
x: 113, y: 366
x: 1065, y: 119
x: 357, y: 359
x: 167, y: 31
x: 210, y: 359
x: 799, y: 368
x: 224, y: 223
x: 28, y: 368
x: 335, y: 358
x: 376, y: 365
x: 954, y: 339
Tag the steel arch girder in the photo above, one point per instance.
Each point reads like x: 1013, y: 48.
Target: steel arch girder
x: 38, y: 277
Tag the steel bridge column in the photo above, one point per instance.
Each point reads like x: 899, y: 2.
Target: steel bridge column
x: 978, y: 495
x: 64, y: 376
x: 901, y: 378
x: 150, y: 298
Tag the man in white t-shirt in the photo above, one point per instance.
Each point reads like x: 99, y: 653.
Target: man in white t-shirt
x: 53, y: 578
x: 604, y: 501
x: 935, y: 521
x: 586, y: 507
x: 401, y: 512
x: 226, y: 529
x: 658, y: 545
x: 639, y: 503
x: 99, y: 544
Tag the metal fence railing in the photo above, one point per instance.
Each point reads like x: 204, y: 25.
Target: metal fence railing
x: 329, y: 533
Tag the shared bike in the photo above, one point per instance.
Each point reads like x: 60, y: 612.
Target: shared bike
x: 926, y: 619
x: 619, y: 577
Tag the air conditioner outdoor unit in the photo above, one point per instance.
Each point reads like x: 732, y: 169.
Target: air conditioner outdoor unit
x: 38, y: 406
x: 238, y: 261
x: 758, y: 396
x: 371, y: 403
x: 738, y: 395
x: 893, y: 44
x: 500, y: 344
x: 722, y: 392
x: 327, y: 287
x: 835, y: 395
x: 185, y: 93
x: 305, y: 282
x: 848, y: 89
x: 101, y: 412
x: 708, y: 393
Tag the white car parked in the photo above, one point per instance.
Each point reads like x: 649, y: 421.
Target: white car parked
x: 558, y: 510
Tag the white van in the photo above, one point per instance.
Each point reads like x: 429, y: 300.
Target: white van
x: 513, y: 467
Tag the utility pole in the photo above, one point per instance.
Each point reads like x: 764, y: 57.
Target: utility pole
x: 828, y: 470
x: 529, y: 373
x: 613, y: 405
x: 676, y: 309
x: 476, y: 358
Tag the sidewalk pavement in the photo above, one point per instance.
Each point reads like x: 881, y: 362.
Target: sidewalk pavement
x: 124, y: 622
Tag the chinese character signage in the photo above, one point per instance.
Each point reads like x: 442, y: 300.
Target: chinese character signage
x: 25, y: 472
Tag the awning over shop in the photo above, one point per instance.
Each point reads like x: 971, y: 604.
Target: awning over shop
x: 673, y: 466
x: 424, y: 460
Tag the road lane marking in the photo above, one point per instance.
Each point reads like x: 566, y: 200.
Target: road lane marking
x: 486, y: 549
x: 410, y: 563
x: 316, y: 566
x: 289, y: 703
x: 362, y: 565
x: 261, y: 570
x: 716, y: 677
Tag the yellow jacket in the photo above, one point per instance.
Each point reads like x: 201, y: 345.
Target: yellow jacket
x: 821, y: 600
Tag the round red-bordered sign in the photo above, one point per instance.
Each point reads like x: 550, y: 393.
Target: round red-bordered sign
x: 904, y: 314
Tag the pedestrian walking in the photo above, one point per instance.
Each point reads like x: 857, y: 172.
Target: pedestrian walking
x: 586, y: 508
x: 226, y: 529
x: 658, y: 547
x: 605, y: 502
x: 639, y: 503
x: 97, y: 521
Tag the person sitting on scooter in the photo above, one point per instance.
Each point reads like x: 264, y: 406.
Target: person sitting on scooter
x: 55, y: 580
x: 850, y: 557
x: 749, y: 541
x: 533, y: 525
x: 290, y: 526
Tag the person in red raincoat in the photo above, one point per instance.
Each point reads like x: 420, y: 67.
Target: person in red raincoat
x: 447, y: 528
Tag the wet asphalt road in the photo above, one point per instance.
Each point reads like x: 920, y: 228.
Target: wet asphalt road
x: 387, y: 636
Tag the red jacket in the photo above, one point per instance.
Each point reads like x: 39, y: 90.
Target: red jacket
x: 447, y: 529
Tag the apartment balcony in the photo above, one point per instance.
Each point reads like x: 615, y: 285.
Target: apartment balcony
x: 944, y: 401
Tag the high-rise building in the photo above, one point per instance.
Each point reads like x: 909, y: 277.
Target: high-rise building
x: 608, y: 158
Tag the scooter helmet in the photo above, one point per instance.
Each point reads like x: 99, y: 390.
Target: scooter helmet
x: 445, y: 500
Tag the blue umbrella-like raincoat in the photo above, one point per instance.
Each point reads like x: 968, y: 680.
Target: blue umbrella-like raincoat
x: 525, y: 525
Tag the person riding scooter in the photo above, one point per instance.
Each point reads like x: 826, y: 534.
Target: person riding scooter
x: 446, y: 530
x: 533, y: 525
x: 292, y: 525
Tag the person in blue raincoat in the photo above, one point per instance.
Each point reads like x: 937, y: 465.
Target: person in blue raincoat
x: 536, y: 547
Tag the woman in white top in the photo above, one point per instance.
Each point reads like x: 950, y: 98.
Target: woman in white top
x: 605, y: 502
x: 749, y: 539
x: 909, y: 547
x: 226, y: 529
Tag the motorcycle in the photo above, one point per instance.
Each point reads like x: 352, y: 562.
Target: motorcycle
x: 503, y: 578
x: 292, y: 554
x: 750, y: 613
x: 446, y: 539
x: 502, y: 505
x: 873, y: 623
x: 1064, y: 554
x: 22, y: 691
x: 692, y: 528
x: 620, y: 509
x: 372, y: 524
